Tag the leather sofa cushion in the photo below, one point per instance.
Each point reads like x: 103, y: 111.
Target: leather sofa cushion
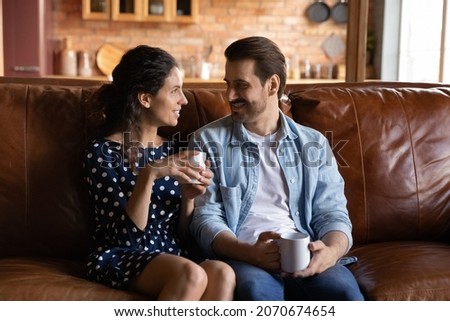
x: 43, y: 278
x: 408, y: 270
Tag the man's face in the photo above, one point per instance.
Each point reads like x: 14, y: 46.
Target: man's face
x: 246, y: 95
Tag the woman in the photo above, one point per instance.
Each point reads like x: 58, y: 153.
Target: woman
x: 142, y: 212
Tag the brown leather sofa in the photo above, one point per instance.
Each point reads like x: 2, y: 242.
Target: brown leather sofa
x: 391, y: 140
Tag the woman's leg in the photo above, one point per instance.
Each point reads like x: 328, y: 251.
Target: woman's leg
x: 221, y: 281
x: 171, y: 277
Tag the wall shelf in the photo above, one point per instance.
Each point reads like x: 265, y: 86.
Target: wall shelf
x: 174, y: 11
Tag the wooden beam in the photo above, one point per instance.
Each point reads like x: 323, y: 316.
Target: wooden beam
x: 355, y: 70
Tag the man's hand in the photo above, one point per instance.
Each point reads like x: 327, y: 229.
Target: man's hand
x: 325, y: 254
x: 265, y: 252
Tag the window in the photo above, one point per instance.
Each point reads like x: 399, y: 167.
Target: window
x: 414, y: 41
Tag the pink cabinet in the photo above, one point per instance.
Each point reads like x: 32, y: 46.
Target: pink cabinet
x: 27, y: 43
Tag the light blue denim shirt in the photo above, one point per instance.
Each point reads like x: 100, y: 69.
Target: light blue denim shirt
x: 316, y: 189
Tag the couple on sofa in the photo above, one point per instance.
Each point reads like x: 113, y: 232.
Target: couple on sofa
x: 145, y: 216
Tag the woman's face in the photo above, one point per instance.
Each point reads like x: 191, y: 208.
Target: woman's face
x: 165, y: 106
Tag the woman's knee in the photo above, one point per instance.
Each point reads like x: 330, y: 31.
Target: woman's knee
x: 219, y: 270
x: 193, y: 274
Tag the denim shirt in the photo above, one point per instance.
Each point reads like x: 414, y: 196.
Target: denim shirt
x: 316, y: 189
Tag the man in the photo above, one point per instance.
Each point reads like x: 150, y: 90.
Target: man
x: 271, y: 176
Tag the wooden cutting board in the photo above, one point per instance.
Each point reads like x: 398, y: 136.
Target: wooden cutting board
x: 333, y: 47
x: 108, y: 56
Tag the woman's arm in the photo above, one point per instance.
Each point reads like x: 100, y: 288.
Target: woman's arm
x: 187, y: 209
x: 138, y: 204
x: 188, y: 193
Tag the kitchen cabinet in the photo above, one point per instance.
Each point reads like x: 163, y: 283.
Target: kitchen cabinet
x: 27, y: 43
x: 125, y: 10
x: 96, y: 9
x: 184, y: 11
x: 157, y: 10
x: 178, y: 11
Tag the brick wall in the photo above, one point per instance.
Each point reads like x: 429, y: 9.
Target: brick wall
x: 220, y: 22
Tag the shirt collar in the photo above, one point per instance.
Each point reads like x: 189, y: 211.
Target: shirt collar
x: 240, y: 133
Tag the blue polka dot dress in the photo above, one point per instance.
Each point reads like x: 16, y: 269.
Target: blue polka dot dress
x: 123, y: 250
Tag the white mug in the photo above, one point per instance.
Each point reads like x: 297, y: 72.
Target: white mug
x: 294, y: 251
x: 198, y: 160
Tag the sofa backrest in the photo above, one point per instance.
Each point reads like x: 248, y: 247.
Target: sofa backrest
x: 392, y: 144
x: 43, y: 129
x: 42, y: 201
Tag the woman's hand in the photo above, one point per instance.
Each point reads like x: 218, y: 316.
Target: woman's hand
x: 178, y: 166
x: 190, y: 190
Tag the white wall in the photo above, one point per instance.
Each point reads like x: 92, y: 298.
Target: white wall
x: 420, y: 40
x: 390, y: 42
x: 410, y: 41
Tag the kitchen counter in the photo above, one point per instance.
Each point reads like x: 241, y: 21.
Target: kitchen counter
x: 198, y: 82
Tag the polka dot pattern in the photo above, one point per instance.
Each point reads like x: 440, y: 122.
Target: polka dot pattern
x: 123, y: 250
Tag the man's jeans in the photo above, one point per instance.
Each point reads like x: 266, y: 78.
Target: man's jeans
x: 255, y: 284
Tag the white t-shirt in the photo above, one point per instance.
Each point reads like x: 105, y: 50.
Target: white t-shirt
x: 270, y: 210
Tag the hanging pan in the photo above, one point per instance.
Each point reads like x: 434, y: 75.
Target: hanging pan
x: 318, y: 11
x: 339, y: 11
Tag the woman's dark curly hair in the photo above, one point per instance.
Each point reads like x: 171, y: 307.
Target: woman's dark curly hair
x: 115, y: 106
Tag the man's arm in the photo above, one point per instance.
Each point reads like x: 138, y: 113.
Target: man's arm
x: 338, y: 244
